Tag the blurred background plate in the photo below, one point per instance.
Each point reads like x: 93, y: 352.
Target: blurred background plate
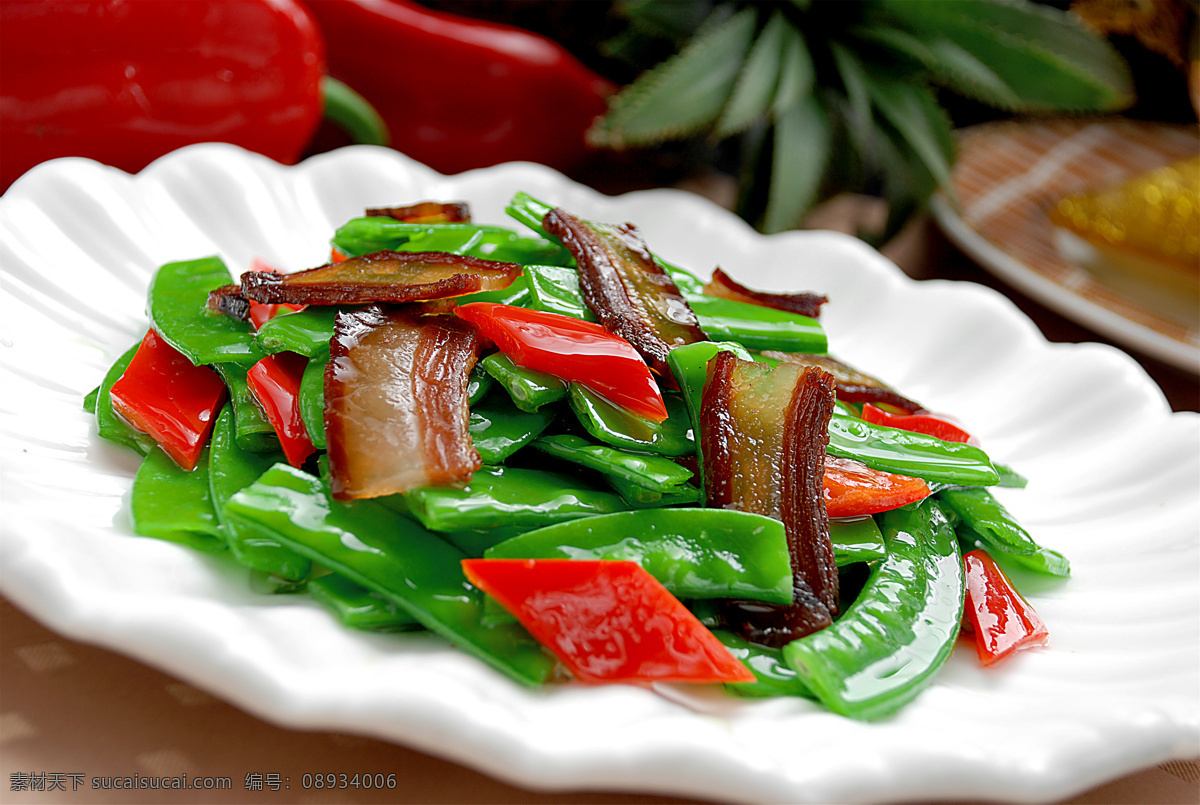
x: 1010, y: 174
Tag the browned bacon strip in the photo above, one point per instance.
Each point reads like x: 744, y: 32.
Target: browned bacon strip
x: 853, y: 386
x: 804, y: 304
x: 396, y: 413
x: 426, y: 212
x: 385, y: 276
x: 763, y: 434
x: 630, y: 294
x: 228, y: 299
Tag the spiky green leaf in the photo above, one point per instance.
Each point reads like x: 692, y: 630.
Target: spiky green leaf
x: 854, y: 81
x: 948, y: 64
x: 913, y: 110
x: 800, y: 153
x: 683, y: 94
x: 756, y: 84
x: 1046, y: 58
x: 797, y: 75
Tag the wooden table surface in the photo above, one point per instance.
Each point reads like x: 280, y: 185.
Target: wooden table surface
x: 71, y: 712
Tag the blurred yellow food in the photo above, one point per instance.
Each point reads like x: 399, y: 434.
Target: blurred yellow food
x: 1155, y: 216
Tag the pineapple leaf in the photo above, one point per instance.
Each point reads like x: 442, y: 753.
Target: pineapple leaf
x: 854, y: 80
x: 683, y: 94
x: 801, y: 150
x: 755, y: 86
x: 797, y: 75
x: 1042, y: 55
x: 913, y: 110
x: 948, y: 64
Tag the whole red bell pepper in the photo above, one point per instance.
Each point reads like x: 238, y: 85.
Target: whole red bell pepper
x: 126, y: 81
x: 458, y: 93
x: 164, y: 394
x: 607, y: 621
x: 577, y: 351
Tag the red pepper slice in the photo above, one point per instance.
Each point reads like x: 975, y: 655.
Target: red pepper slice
x: 853, y: 489
x: 165, y: 395
x: 275, y: 383
x: 929, y: 424
x: 575, y: 350
x: 1002, y: 620
x: 261, y: 312
x: 607, y: 621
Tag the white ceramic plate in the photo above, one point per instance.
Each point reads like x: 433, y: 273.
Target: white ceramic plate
x: 1113, y: 480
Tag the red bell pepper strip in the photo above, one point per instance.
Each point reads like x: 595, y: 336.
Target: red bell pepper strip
x: 1003, y: 622
x: 853, y: 489
x: 275, y: 383
x: 607, y: 621
x: 929, y: 424
x: 165, y: 395
x: 460, y: 93
x: 261, y: 312
x: 575, y: 350
x: 124, y: 83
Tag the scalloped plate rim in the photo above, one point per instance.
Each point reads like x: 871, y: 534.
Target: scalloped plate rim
x: 48, y: 600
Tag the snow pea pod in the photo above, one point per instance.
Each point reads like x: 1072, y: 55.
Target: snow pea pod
x: 110, y: 426
x: 856, y: 540
x: 695, y: 553
x: 555, y: 289
x: 909, y: 453
x: 479, y: 383
x: 884, y: 650
x: 689, y: 364
x: 985, y: 523
x: 312, y: 401
x: 498, y: 429
x: 178, y: 311
x: 643, y: 497
x: 392, y: 556
x: 775, y: 678
x: 517, y: 293
x: 757, y: 327
x: 89, y: 400
x: 508, y: 496
x: 305, y: 332
x: 374, y: 233
x: 231, y: 468
x: 618, y: 427
x: 254, y: 430
x: 529, y: 389
x: 358, y: 608
x: 656, y: 473
x: 173, y: 504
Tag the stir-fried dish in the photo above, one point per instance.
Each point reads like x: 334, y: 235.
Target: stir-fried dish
x: 571, y: 459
